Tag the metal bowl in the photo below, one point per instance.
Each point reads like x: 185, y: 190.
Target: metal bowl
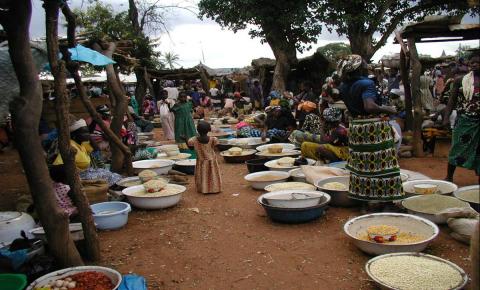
x: 260, y: 185
x: 292, y: 198
x: 147, y: 202
x: 186, y: 166
x: 405, y: 222
x: 160, y: 166
x: 460, y: 191
x: 443, y: 187
x: 425, y: 199
x: 114, y: 276
x: 339, y: 197
x: 295, y: 215
x: 247, y: 154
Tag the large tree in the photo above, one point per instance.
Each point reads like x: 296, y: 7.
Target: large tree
x: 287, y: 26
x: 368, y: 24
x: 334, y: 51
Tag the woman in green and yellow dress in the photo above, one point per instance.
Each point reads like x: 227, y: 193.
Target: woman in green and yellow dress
x: 372, y: 161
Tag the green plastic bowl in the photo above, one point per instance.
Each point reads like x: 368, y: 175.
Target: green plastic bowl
x: 13, y: 281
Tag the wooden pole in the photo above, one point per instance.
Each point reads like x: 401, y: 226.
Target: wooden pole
x: 68, y: 153
x: 404, y: 72
x: 26, y: 109
x: 417, y: 104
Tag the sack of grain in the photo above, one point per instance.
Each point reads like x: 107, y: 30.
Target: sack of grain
x: 462, y: 228
x: 96, y: 190
x: 464, y: 212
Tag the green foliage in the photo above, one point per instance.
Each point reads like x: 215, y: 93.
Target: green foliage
x: 171, y: 59
x: 100, y: 22
x: 464, y: 51
x: 367, y: 19
x: 285, y: 22
x: 333, y: 51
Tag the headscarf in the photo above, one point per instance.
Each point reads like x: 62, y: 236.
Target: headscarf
x: 274, y: 95
x: 332, y: 114
x: 272, y: 108
x: 75, y: 125
x: 348, y: 64
x: 237, y: 95
x: 284, y: 104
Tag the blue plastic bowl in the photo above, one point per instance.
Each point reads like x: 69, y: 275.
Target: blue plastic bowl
x: 110, y: 215
x: 295, y: 215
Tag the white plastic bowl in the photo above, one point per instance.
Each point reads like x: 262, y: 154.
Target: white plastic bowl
x: 293, y: 198
x: 438, y: 219
x: 12, y: 223
x: 147, y: 202
x: 273, y: 165
x: 114, y: 276
x: 405, y: 222
x: 260, y: 185
x: 110, y: 215
x: 298, y: 175
x: 286, y: 146
x: 443, y: 187
x: 160, y: 166
x: 76, y: 232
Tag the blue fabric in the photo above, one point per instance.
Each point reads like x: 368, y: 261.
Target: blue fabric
x: 133, y: 282
x: 16, y: 257
x: 355, y: 92
x: 81, y: 53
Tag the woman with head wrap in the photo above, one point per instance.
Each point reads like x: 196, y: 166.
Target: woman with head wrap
x: 373, y: 165
x: 333, y: 144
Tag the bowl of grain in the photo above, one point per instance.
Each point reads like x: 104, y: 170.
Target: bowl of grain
x: 259, y: 180
x: 293, y: 198
x: 275, y: 149
x: 470, y: 194
x: 285, y: 164
x: 414, y: 233
x: 337, y: 187
x: 428, y: 206
x: 285, y: 146
x: 411, y: 270
x: 160, y: 166
x: 290, y: 185
x: 168, y: 196
x: 427, y: 186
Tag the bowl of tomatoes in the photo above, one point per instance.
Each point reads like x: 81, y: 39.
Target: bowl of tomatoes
x: 79, y: 278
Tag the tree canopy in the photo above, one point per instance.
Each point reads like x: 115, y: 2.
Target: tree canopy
x: 368, y: 24
x: 334, y: 50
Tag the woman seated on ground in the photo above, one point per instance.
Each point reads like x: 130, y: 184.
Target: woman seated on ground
x: 334, y: 143
x: 276, y: 124
x: 87, y: 157
x: 96, y: 132
x: 311, y: 131
x: 204, y: 106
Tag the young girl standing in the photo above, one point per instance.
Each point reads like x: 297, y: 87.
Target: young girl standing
x: 207, y: 172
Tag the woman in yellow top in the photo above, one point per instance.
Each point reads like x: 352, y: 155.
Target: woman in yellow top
x: 80, y: 141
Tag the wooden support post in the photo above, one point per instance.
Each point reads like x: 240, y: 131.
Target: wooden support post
x: 404, y: 72
x: 417, y: 103
x: 68, y: 153
x: 26, y: 109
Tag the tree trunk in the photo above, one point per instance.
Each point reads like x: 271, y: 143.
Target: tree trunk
x: 285, y: 56
x: 119, y: 108
x: 417, y: 102
x: 26, y: 110
x: 141, y: 88
x: 62, y: 113
x: 361, y: 44
x: 404, y: 69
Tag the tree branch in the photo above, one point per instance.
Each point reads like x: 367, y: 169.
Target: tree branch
x: 377, y: 19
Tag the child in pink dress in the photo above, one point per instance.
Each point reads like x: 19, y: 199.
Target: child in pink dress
x: 207, y: 172
x: 57, y: 173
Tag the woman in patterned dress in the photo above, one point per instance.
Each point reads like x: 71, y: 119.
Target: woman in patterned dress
x: 207, y: 172
x: 465, y: 97
x: 372, y: 161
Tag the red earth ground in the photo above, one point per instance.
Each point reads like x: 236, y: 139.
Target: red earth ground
x: 225, y: 241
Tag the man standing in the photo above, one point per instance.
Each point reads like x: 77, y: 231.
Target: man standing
x: 257, y: 95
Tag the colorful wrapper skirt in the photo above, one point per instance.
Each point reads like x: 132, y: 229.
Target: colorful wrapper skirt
x: 465, y: 151
x: 372, y: 161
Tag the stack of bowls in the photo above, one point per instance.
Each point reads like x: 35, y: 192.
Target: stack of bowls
x: 294, y: 206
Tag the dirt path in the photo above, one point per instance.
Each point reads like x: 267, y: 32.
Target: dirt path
x: 231, y: 244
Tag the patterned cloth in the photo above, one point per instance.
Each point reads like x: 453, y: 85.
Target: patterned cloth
x: 373, y: 165
x: 63, y: 200
x: 332, y: 114
x: 310, y: 150
x: 468, y: 97
x: 349, y: 64
x: 465, y: 151
x: 249, y: 132
x: 207, y: 172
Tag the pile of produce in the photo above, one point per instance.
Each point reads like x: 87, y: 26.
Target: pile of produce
x: 82, y: 281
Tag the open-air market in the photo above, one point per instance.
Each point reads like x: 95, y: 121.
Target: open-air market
x: 210, y: 144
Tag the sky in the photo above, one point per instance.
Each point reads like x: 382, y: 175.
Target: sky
x: 195, y: 40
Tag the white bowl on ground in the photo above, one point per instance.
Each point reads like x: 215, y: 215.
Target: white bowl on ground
x: 12, y: 223
x: 469, y: 194
x: 286, y: 146
x: 357, y: 228
x: 150, y: 201
x: 114, y: 276
x: 443, y: 187
x: 297, y: 175
x: 293, y: 198
x: 290, y: 185
x: 427, y: 206
x: 276, y: 177
x: 76, y: 232
x: 274, y: 166
x: 160, y: 166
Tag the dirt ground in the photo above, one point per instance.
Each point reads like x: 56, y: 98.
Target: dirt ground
x: 225, y: 241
